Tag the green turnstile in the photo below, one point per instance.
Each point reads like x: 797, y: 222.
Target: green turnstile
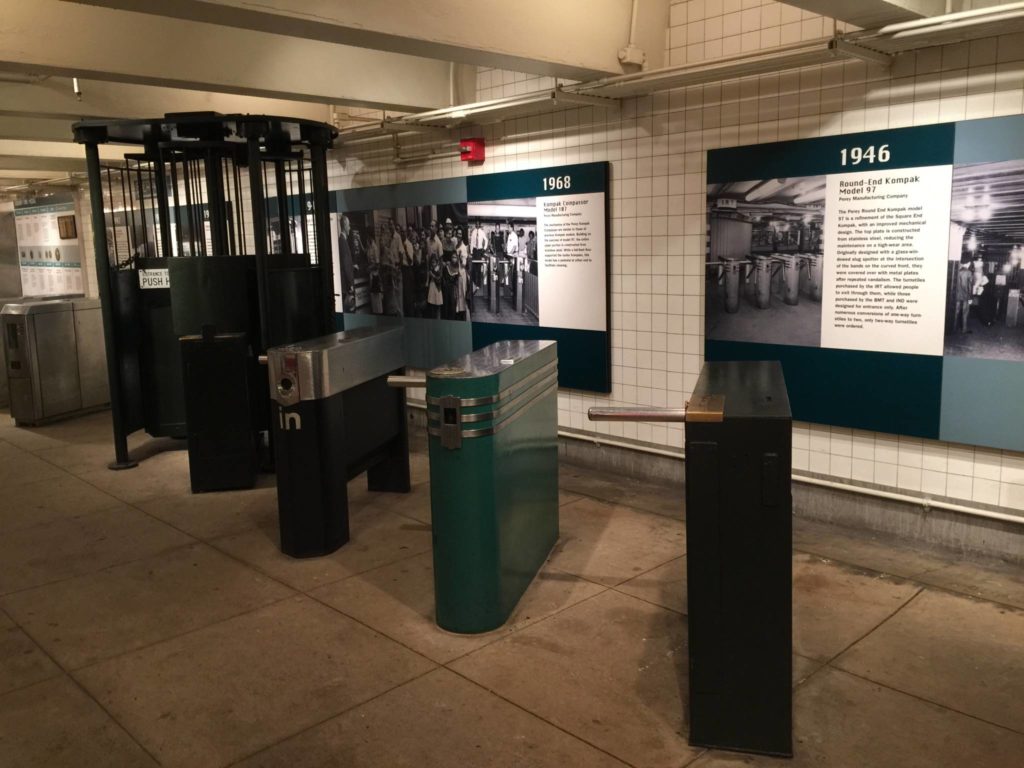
x: 493, y: 424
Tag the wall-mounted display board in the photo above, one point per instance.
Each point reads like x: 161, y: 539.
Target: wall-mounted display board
x: 49, y: 252
x: 472, y: 260
x: 884, y: 270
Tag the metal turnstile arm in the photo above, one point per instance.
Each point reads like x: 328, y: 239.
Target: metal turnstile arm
x: 701, y: 408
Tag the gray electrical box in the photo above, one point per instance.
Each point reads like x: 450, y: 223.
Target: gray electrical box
x: 56, y: 363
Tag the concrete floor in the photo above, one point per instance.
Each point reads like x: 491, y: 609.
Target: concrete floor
x: 143, y: 625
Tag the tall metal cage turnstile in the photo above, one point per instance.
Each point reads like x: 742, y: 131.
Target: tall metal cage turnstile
x: 212, y: 224
x: 738, y: 554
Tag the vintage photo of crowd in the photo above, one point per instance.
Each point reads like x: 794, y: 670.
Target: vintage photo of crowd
x: 985, y: 278
x: 437, y: 262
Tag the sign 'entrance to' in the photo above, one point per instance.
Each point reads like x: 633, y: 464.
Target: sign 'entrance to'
x: 154, y: 278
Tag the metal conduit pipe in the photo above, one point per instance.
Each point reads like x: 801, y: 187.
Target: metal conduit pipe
x: 938, y: 21
x: 611, y: 442
x: 916, y: 500
x: 1008, y: 16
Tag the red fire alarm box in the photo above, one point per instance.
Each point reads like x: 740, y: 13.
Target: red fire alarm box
x: 471, y: 150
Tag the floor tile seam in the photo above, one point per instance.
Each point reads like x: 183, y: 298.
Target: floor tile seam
x: 128, y: 651
x: 334, y: 716
x: 404, y: 516
x: 821, y: 665
x: 623, y: 581
x: 919, y: 697
x: 684, y: 614
x: 66, y: 472
x: 878, y: 626
x: 212, y: 543
x: 66, y: 674
x: 612, y: 503
x: 927, y: 586
x: 35, y: 454
x: 115, y: 720
x: 116, y: 504
x: 849, y: 564
x: 582, y: 577
x: 913, y: 579
x: 132, y: 561
x: 703, y: 752
x: 58, y: 672
x: 652, y: 568
x: 543, y: 719
x: 333, y: 582
x: 530, y: 625
x: 435, y: 664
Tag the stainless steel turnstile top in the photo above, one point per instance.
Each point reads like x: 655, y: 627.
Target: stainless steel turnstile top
x: 327, y: 365
x: 490, y: 360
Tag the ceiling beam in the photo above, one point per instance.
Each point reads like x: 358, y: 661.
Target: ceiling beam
x: 54, y: 98
x: 575, y: 39
x: 35, y: 128
x: 66, y: 156
x: 869, y: 14
x: 62, y: 38
x: 12, y: 176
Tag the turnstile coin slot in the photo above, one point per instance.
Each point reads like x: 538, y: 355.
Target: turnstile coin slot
x: 12, y: 336
x: 15, y: 365
x: 451, y: 422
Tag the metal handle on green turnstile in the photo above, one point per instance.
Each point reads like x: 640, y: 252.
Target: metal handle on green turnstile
x: 701, y: 408
x: 407, y: 381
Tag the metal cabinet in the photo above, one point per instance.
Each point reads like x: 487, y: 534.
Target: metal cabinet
x: 55, y: 361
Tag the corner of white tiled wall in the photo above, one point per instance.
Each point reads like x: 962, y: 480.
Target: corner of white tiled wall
x: 656, y: 146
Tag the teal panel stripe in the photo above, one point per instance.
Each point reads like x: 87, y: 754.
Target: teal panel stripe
x: 907, y: 148
x: 981, y: 402
x: 434, y: 192
x: 990, y: 140
x: 584, y: 178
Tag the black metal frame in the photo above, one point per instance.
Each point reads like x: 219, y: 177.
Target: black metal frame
x: 195, y: 161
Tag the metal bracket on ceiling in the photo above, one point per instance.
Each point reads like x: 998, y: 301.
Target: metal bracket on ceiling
x: 853, y: 50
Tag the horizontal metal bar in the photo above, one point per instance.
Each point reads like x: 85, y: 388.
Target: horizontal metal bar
x: 525, y: 395
x: 495, y: 427
x: 637, y: 414
x: 406, y: 381
x: 513, y: 391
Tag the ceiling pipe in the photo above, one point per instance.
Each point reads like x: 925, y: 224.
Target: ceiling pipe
x: 863, y: 46
x: 934, y: 21
x: 22, y: 78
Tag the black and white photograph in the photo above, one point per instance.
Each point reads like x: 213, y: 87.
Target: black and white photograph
x: 984, y: 305
x: 764, y: 266
x: 503, y: 248
x: 406, y: 262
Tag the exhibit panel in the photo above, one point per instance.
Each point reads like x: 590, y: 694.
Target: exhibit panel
x: 882, y: 269
x: 49, y: 253
x: 466, y: 262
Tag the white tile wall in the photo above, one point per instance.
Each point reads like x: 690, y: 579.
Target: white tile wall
x: 657, y: 145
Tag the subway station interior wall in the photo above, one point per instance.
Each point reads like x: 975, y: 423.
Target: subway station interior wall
x: 656, y: 145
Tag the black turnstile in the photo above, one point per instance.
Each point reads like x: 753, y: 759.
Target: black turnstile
x: 739, y: 558
x: 738, y: 554
x: 221, y: 440
x: 335, y: 417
